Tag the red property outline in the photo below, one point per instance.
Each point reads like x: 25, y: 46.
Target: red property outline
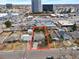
x: 47, y: 38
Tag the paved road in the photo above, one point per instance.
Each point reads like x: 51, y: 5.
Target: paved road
x: 41, y: 54
x: 52, y: 52
x: 11, y: 55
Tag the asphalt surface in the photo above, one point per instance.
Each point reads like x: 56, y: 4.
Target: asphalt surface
x: 11, y: 55
x: 41, y: 54
x: 56, y: 53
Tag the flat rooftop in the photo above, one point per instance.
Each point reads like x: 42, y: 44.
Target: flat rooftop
x: 43, y: 21
x: 6, y: 14
x: 65, y: 22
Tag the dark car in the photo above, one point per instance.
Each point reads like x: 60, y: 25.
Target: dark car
x: 49, y: 57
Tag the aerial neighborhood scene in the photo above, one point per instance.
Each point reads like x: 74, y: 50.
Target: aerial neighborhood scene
x: 39, y: 29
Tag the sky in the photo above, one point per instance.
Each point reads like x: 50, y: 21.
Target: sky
x: 43, y: 1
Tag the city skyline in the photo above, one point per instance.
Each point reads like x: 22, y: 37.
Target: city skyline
x: 43, y: 2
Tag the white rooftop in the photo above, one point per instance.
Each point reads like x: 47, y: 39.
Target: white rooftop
x: 65, y: 22
x: 5, y: 14
x: 26, y: 37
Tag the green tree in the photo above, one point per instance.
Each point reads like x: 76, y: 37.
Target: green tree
x: 74, y: 27
x: 62, y: 38
x: 69, y: 11
x: 8, y: 24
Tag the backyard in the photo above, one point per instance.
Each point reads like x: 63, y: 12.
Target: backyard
x: 40, y: 38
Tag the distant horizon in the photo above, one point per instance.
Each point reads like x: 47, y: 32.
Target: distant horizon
x: 42, y: 4
x: 28, y: 2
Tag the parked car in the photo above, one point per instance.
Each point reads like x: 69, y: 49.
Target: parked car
x: 49, y: 57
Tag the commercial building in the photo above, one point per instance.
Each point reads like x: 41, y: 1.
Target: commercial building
x: 9, y: 6
x: 65, y: 24
x: 64, y: 35
x: 44, y: 21
x: 36, y: 6
x: 48, y: 7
